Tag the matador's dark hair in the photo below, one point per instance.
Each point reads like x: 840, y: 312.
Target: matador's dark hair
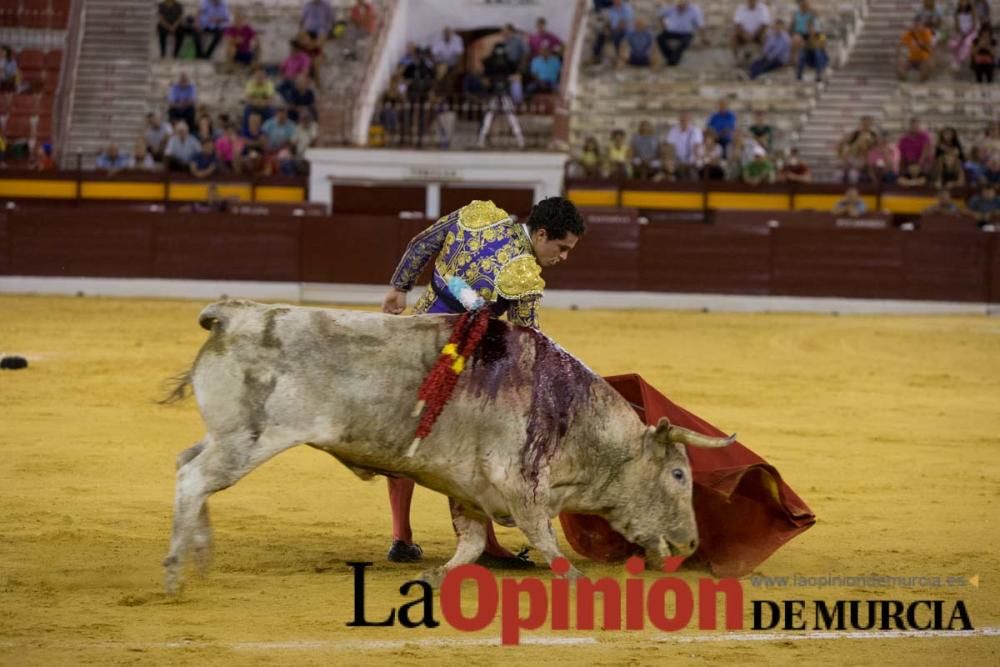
x: 557, y: 216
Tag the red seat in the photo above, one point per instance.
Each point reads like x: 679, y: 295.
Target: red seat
x: 24, y: 104
x: 18, y: 127
x: 53, y: 59
x: 8, y: 13
x: 60, y: 14
x: 30, y: 59
x: 43, y: 130
x: 50, y: 84
x: 35, y: 14
x: 6, y: 100
x: 45, y: 103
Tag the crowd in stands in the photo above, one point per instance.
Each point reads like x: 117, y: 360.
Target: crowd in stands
x: 968, y: 36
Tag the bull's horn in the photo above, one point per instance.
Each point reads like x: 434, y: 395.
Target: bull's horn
x: 688, y: 437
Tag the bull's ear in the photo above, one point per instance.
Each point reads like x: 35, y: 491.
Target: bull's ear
x: 661, y: 432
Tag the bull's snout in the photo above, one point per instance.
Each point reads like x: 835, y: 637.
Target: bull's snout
x: 666, y: 548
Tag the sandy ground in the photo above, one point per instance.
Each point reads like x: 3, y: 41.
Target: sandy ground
x: 887, y: 426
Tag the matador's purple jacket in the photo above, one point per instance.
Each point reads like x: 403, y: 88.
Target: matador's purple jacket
x: 480, y: 244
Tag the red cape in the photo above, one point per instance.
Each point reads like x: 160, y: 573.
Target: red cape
x: 744, y: 510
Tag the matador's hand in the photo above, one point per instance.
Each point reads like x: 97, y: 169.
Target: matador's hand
x: 395, y: 302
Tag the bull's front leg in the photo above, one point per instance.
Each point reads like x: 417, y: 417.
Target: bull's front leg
x: 537, y: 527
x: 471, y: 530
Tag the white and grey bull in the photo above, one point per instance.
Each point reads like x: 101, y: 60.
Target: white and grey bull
x: 530, y: 431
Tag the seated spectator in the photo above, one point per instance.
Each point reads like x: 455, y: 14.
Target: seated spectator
x: 301, y: 98
x: 853, y: 149
x: 42, y: 159
x: 258, y: 95
x: 964, y: 35
x: 363, y: 19
x: 762, y: 131
x: 181, y: 100
x: 204, y: 164
x: 590, y: 160
x: 776, y: 53
x: 297, y: 63
x: 669, y: 171
x: 794, y: 170
x: 739, y: 153
x: 113, y: 161
x: 279, y: 131
x: 760, y: 170
x: 982, y: 8
x: 975, y: 167
x: 681, y: 23
x: 516, y: 47
x: 992, y: 172
x: 640, y: 45
x: 253, y: 136
x: 883, y: 161
x: 944, y: 205
x: 644, y: 151
x: 170, y: 20
x: 918, y: 53
x: 448, y: 48
x: 714, y: 161
x: 229, y: 148
x: 804, y: 23
x: 813, y: 55
x: 912, y: 176
x: 916, y: 146
x: 155, y: 135
x: 686, y: 140
x: 852, y: 205
x: 618, y: 157
x: 181, y: 148
x: 141, y: 157
x: 317, y: 20
x: 312, y: 46
x: 10, y: 76
x: 542, y: 38
x: 750, y: 22
x: 617, y: 21
x: 242, y: 43
x: 255, y: 163
x: 985, y: 206
x: 984, y: 55
x: 947, y: 140
x: 723, y: 123
x: 204, y: 129
x: 929, y: 16
x: 546, y: 69
x: 304, y: 136
x: 948, y: 171
x: 213, y: 19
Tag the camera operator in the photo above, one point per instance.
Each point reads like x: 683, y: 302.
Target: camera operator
x: 499, y: 71
x: 419, y: 74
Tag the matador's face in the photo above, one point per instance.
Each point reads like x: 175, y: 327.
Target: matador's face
x: 549, y: 251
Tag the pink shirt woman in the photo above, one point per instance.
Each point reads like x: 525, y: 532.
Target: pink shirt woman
x: 229, y: 145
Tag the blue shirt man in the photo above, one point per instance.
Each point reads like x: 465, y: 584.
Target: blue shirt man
x: 546, y: 68
x: 681, y: 23
x: 317, y: 18
x: 723, y: 123
x: 619, y: 21
x: 213, y: 15
x: 776, y: 53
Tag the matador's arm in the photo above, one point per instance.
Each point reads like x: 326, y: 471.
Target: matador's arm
x: 420, y: 250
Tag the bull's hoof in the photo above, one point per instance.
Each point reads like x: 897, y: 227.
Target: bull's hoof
x: 518, y: 562
x: 401, y: 552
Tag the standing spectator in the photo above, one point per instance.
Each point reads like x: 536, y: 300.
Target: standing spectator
x: 853, y: 149
x: 317, y: 19
x: 984, y: 55
x: 242, y: 43
x: 919, y: 51
x: 985, y: 206
x: 301, y: 99
x: 517, y: 49
x: 113, y: 161
x: 296, y: 64
x: 883, y: 161
x: 213, y: 19
x: 760, y: 170
x: 762, y: 131
x: 916, y: 147
x: 181, y: 100
x: 686, y: 140
x: 944, y: 205
x: 750, y: 23
x: 947, y: 140
x: 618, y: 158
x: 155, y: 135
x: 640, y: 45
x: 170, y: 21
x: 930, y: 16
x: 545, y: 71
x: 204, y: 163
x: 948, y: 171
x: 258, y: 95
x: 776, y: 53
x: 278, y: 130
x: 681, y: 23
x: 10, y: 76
x: 542, y: 38
x: 794, y: 170
x: 644, y: 151
x: 448, y: 48
x: 852, y: 205
x: 181, y: 148
x: 723, y: 123
x: 965, y: 33
x: 229, y: 148
x: 804, y: 22
x: 813, y: 55
x: 618, y: 20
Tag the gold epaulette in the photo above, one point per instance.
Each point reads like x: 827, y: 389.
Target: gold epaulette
x: 480, y: 215
x: 519, y: 278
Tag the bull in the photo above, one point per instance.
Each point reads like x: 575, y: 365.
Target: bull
x: 530, y: 430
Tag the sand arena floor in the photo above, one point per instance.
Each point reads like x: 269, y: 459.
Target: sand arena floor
x: 887, y: 426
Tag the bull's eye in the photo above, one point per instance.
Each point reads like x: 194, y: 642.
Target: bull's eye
x: 678, y: 474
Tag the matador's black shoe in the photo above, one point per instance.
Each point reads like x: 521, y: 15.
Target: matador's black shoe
x: 401, y: 552
x: 518, y: 562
